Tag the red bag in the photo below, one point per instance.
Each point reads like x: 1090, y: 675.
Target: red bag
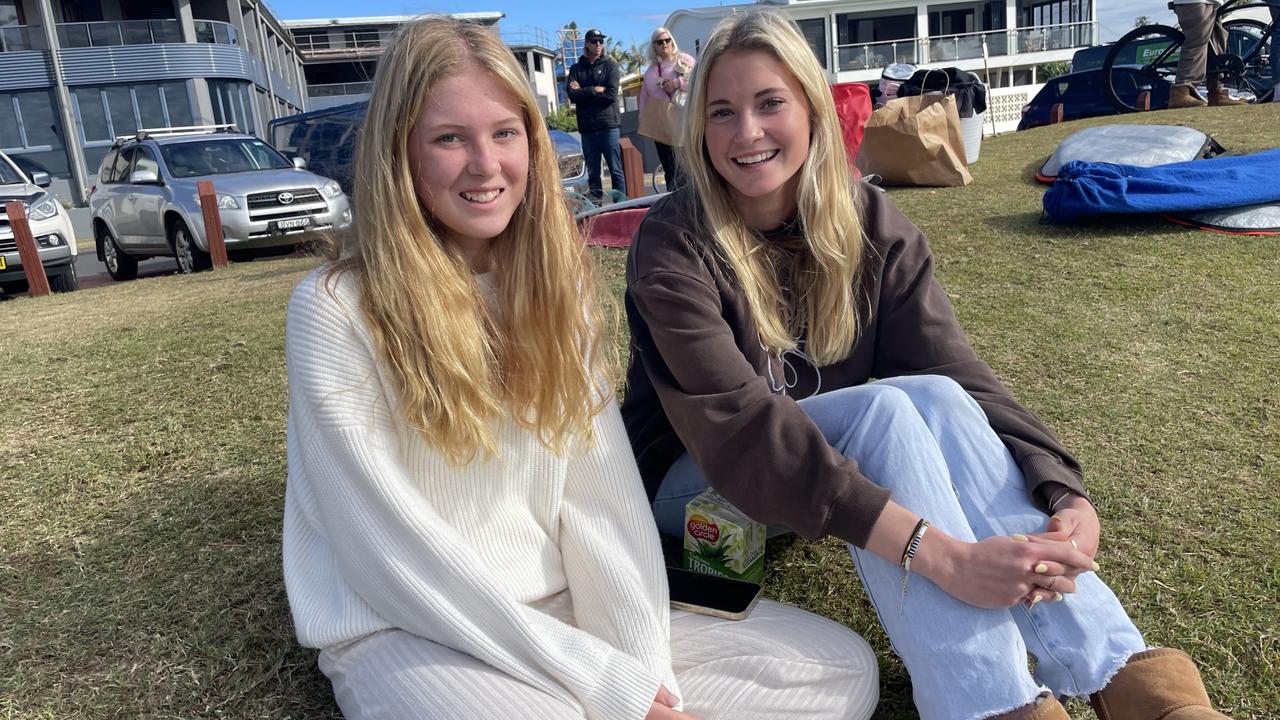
x: 853, y: 105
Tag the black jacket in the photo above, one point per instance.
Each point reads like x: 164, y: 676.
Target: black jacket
x: 596, y: 111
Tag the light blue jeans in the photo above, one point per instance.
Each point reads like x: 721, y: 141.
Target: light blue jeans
x: 925, y: 439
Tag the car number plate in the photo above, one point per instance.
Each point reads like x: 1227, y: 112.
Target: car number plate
x: 292, y: 223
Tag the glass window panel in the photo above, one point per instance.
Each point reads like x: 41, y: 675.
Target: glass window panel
x: 95, y: 157
x: 8, y: 12
x: 166, y: 31
x: 145, y: 160
x: 53, y: 162
x: 38, y: 118
x: 9, y: 137
x: 71, y: 36
x: 149, y: 108
x: 179, y: 107
x: 93, y: 118
x: 120, y: 106
x: 137, y: 32
x: 101, y: 34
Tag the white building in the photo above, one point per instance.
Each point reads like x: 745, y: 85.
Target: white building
x: 340, y: 55
x: 1003, y: 41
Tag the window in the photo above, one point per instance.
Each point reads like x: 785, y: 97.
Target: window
x: 120, y: 168
x: 120, y: 110
x: 214, y: 157
x: 38, y: 118
x: 92, y: 114
x: 9, y: 135
x: 145, y: 161
x: 177, y: 104
x: 538, y: 63
x: 815, y: 33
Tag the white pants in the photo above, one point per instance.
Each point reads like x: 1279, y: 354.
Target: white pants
x: 780, y: 662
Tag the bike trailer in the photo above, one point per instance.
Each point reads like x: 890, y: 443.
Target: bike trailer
x: 1138, y: 145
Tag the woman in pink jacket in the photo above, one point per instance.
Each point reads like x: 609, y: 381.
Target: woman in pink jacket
x: 668, y: 73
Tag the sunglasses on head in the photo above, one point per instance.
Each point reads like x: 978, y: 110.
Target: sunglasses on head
x: 662, y: 41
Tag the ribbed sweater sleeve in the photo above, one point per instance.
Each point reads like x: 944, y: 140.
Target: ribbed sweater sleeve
x: 393, y: 549
x: 612, y: 556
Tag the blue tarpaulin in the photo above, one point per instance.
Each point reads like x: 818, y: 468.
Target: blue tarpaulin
x: 1086, y: 189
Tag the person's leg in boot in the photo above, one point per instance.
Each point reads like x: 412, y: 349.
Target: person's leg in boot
x: 1218, y: 94
x: 1080, y: 641
x: 1196, y: 21
x: 1160, y: 684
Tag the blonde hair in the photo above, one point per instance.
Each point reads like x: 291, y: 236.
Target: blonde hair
x: 456, y: 366
x: 823, y: 309
x: 652, y: 53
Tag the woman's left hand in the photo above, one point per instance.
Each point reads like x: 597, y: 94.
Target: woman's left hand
x: 1076, y: 522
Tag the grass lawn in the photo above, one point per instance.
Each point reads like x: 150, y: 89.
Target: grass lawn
x: 143, y: 465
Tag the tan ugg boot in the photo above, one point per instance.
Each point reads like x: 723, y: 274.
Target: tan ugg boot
x: 1184, y: 96
x: 1161, y: 684
x: 1220, y: 97
x: 1046, y: 707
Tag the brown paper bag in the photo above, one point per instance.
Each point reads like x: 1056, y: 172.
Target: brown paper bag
x: 916, y: 141
x: 661, y: 120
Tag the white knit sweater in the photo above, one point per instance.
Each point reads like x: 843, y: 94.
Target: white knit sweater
x: 381, y: 532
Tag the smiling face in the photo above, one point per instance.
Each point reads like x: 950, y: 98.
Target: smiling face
x: 469, y: 155
x: 757, y: 134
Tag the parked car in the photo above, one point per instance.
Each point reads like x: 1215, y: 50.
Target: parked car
x: 1084, y: 95
x: 326, y: 140
x: 145, y: 203
x: 50, y: 225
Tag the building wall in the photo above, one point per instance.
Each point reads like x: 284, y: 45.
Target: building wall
x: 117, y: 89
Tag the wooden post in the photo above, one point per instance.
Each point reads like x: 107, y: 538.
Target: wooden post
x: 212, y: 223
x: 632, y: 169
x: 1143, y: 103
x: 1056, y: 113
x: 37, y: 281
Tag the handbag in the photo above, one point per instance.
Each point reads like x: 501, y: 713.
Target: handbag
x: 660, y: 120
x: 916, y: 141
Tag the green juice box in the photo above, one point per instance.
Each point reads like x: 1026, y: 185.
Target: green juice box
x: 720, y: 540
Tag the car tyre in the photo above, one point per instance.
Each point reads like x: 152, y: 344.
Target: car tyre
x: 189, y: 256
x: 120, y: 266
x: 65, y: 281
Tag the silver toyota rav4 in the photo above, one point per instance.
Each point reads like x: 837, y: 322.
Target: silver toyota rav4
x: 145, y: 203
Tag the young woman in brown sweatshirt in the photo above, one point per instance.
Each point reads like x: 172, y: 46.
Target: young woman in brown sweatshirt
x: 763, y: 299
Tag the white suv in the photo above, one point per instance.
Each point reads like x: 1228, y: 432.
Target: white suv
x: 50, y: 225
x: 145, y: 202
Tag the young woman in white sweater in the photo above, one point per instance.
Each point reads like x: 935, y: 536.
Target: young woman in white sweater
x: 466, y: 534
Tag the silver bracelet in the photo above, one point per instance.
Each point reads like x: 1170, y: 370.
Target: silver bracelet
x: 909, y: 554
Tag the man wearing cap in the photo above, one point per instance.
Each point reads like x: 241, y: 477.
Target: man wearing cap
x: 593, y: 87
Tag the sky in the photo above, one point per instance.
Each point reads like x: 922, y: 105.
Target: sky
x: 626, y: 21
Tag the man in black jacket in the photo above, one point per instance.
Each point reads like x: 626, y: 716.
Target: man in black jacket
x: 593, y: 87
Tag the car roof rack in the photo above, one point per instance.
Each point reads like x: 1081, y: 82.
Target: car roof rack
x: 145, y: 133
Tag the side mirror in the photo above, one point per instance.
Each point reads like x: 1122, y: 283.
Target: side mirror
x: 299, y: 163
x: 41, y: 179
x: 144, y: 177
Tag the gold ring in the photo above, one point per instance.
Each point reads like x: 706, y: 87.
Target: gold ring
x: 1073, y: 543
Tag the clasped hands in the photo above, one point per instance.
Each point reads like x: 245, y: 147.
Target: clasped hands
x: 1001, y: 571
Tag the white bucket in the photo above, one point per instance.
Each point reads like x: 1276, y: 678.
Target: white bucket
x: 971, y: 132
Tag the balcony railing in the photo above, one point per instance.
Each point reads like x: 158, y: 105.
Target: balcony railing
x: 16, y: 38
x: 357, y: 41
x: 216, y: 32
x: 534, y: 36
x: 124, y: 32
x: 142, y: 32
x: 334, y: 89
x: 967, y: 46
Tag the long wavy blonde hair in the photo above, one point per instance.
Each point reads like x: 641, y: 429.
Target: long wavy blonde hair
x: 457, y: 366
x: 822, y: 306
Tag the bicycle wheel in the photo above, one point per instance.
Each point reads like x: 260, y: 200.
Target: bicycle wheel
x: 1144, y: 60
x: 1247, y: 38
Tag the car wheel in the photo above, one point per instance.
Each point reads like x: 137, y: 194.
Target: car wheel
x: 66, y: 281
x: 189, y: 256
x: 119, y: 265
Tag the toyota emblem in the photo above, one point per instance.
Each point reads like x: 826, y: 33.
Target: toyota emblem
x: 285, y: 198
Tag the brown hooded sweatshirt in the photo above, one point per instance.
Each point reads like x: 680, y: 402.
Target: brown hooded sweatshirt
x: 699, y: 376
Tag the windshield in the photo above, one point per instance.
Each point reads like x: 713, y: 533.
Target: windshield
x: 8, y: 175
x: 218, y: 157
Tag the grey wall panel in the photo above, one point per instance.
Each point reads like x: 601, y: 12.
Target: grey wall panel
x: 26, y: 69
x: 133, y: 63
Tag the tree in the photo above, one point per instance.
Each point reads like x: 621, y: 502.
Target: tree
x: 630, y: 59
x: 563, y: 119
x: 1142, y: 21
